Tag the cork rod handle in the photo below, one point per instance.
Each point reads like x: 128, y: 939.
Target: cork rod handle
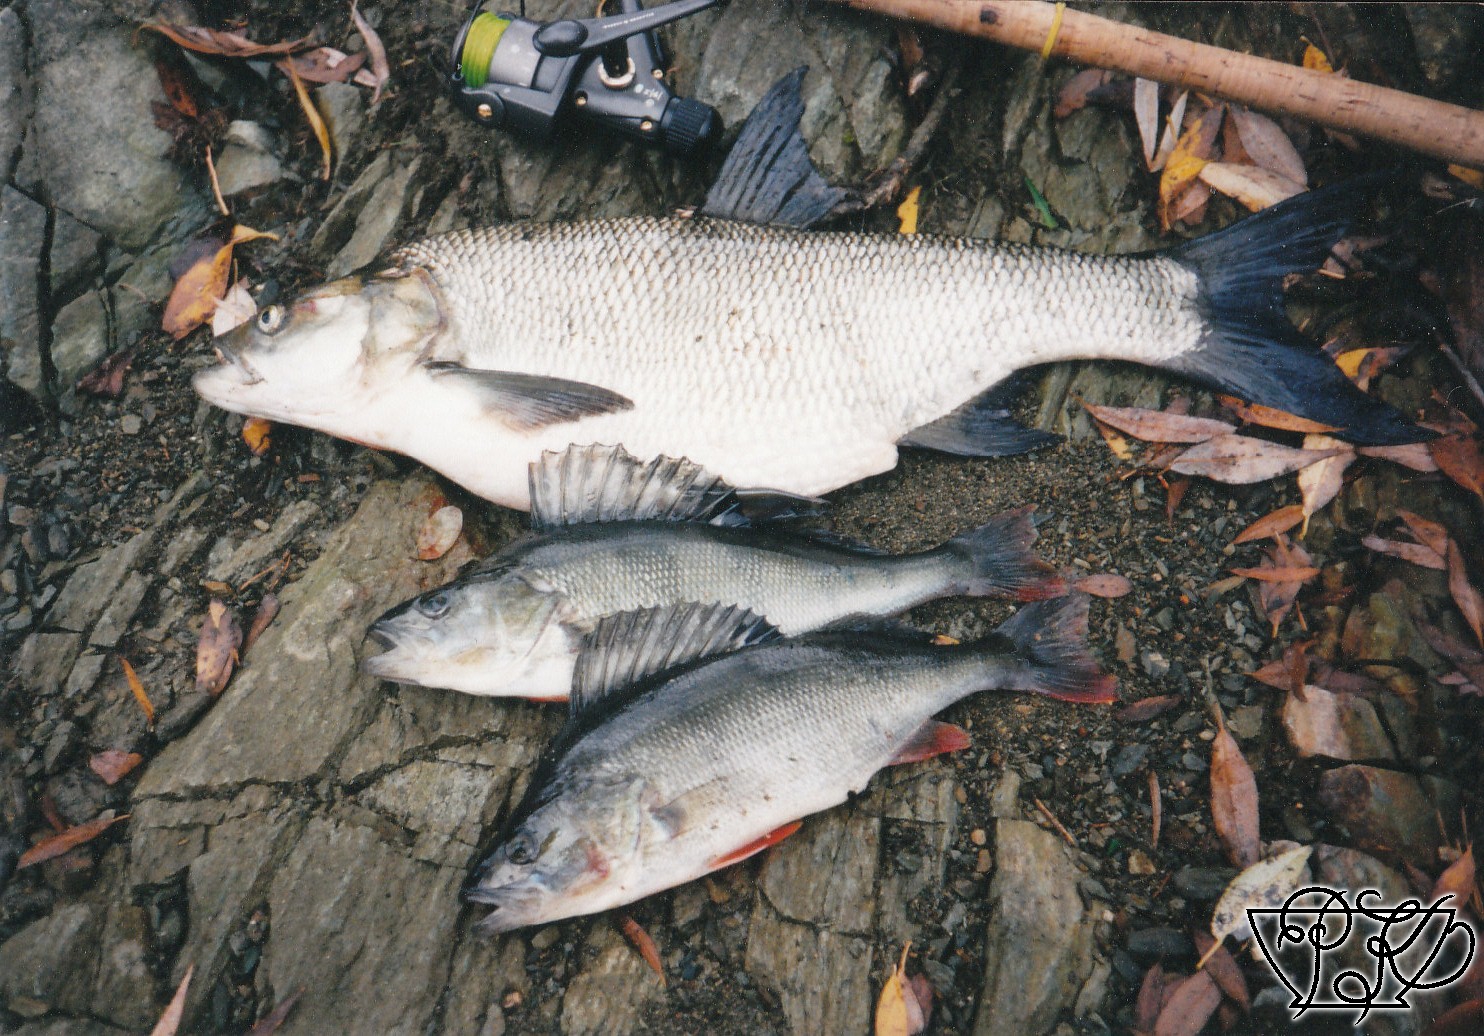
x: 1444, y: 131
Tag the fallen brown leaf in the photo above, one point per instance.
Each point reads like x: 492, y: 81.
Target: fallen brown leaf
x: 274, y: 1019
x: 1146, y: 118
x: 170, y: 1021
x: 1189, y: 1007
x: 1175, y: 489
x: 1222, y: 967
x: 266, y: 613
x: 137, y: 689
x: 1468, y: 599
x: 905, y: 1004
x: 1146, y: 709
x: 1416, y: 553
x: 1460, y: 459
x: 1084, y: 87
x: 1234, y: 801
x: 225, y: 44
x: 439, y: 533
x: 1196, y: 146
x: 1289, y: 672
x: 1280, y: 420
x: 1272, y: 523
x: 257, y: 433
x: 112, y: 765
x: 325, y: 64
x: 1266, y: 883
x: 1104, y: 584
x: 1414, y: 455
x: 1253, y: 186
x: 56, y: 845
x: 640, y: 940
x: 1279, y: 573
x: 1150, y: 999
x: 1242, y: 460
x: 1458, y: 879
x: 107, y: 379
x: 1428, y: 533
x: 216, y: 651
x: 1321, y: 482
x: 204, y: 279
x: 316, y: 122
x: 380, y: 69
x: 1268, y: 146
x: 1158, y: 425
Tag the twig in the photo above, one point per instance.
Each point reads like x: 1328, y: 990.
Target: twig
x: 216, y: 187
x: 887, y: 184
x: 1156, y: 809
x: 1445, y: 131
x: 1463, y: 372
x: 1055, y: 823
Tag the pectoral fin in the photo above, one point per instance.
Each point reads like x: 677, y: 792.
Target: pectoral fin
x: 530, y: 401
x: 756, y: 846
x: 930, y: 739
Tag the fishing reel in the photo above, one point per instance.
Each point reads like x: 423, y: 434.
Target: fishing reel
x: 519, y: 74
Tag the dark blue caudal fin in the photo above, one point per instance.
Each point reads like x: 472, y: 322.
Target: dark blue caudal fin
x: 1249, y: 348
x: 1051, y: 639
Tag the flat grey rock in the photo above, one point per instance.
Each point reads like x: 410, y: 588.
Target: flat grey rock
x: 15, y: 91
x: 22, y: 241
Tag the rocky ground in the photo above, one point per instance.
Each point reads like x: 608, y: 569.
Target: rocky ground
x: 307, y: 830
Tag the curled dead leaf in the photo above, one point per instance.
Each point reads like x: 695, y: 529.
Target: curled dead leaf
x: 137, y: 689
x: 112, y: 765
x: 1280, y: 420
x: 1253, y: 186
x: 225, y: 44
x: 257, y: 433
x: 439, y: 533
x: 905, y: 1004
x: 1416, y: 553
x: 107, y: 379
x: 1414, y: 455
x: 640, y: 940
x: 216, y: 651
x: 1188, y: 1006
x: 1146, y: 709
x: 266, y: 613
x: 380, y: 69
x: 1320, y: 482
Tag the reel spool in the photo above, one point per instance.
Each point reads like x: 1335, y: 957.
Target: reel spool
x: 523, y: 75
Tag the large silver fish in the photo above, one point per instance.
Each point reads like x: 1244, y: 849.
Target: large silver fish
x: 615, y: 535
x: 658, y: 782
x: 771, y: 356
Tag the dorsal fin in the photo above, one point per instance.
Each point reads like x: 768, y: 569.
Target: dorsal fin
x: 624, y: 648
x: 609, y: 484
x: 768, y: 176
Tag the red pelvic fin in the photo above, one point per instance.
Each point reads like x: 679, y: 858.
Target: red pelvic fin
x: 554, y: 699
x: 930, y: 739
x: 757, y: 845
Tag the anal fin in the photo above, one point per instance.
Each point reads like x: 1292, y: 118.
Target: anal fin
x: 757, y: 845
x: 982, y: 427
x: 930, y: 739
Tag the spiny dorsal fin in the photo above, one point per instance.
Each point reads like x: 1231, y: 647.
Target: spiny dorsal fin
x: 768, y: 176
x: 624, y: 648
x: 609, y: 484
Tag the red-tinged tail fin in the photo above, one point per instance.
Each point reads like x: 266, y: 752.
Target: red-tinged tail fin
x: 930, y: 739
x: 756, y: 846
x: 1051, y: 639
x: 998, y: 560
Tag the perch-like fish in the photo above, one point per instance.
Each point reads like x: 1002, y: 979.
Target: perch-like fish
x: 657, y: 782
x: 615, y: 535
x: 771, y: 356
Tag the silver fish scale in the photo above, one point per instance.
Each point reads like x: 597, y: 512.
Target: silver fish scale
x: 796, y: 592
x: 776, y: 733
x: 772, y: 355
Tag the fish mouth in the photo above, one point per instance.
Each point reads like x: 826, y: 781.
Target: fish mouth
x: 511, y: 907
x: 227, y: 357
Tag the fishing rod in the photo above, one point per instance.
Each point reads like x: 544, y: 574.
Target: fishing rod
x: 519, y: 74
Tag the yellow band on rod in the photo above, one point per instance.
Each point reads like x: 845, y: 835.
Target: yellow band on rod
x: 1046, y: 47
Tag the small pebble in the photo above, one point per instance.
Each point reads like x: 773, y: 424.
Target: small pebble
x: 983, y: 864
x: 977, y: 836
x: 1140, y: 863
x: 131, y: 424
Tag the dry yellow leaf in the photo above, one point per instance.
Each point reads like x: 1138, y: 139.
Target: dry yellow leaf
x: 321, y: 132
x: 907, y: 211
x: 899, y: 1011
x: 1472, y: 177
x: 255, y: 432
x: 1315, y: 60
x: 138, y: 689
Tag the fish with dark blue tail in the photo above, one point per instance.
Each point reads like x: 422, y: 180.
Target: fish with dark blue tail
x: 771, y: 355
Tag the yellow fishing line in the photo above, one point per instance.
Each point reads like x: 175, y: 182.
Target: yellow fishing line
x: 479, y: 46
x: 1061, y: 9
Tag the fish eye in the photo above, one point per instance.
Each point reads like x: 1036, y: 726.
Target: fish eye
x: 270, y: 320
x: 520, y: 850
x: 434, y: 605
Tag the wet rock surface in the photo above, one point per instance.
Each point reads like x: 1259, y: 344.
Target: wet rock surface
x: 310, y: 828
